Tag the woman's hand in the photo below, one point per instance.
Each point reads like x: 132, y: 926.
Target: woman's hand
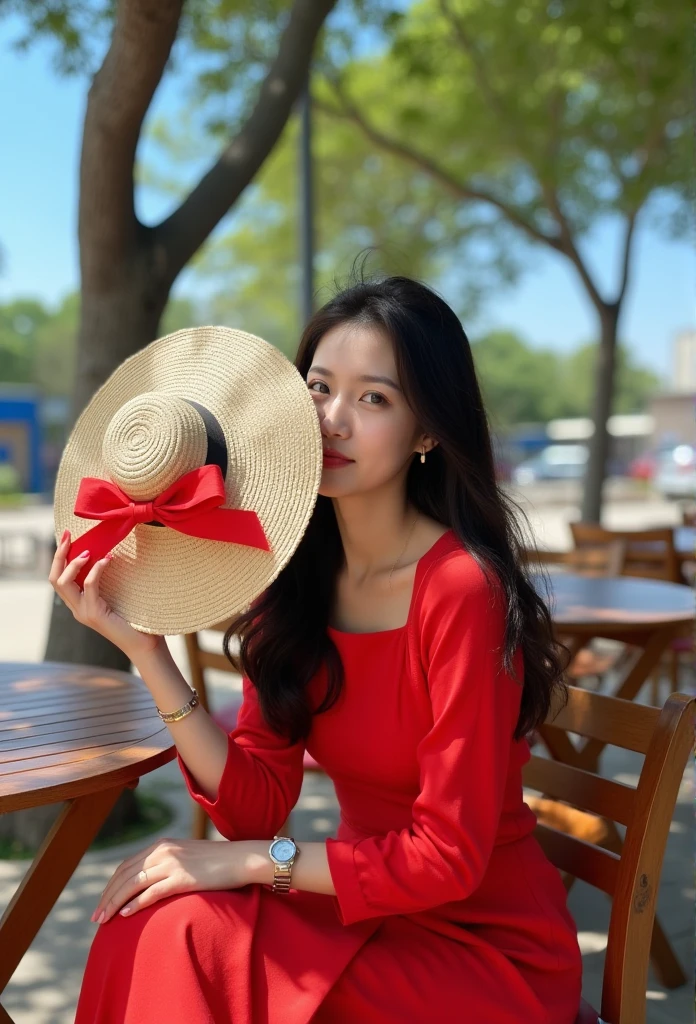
x: 89, y: 608
x: 172, y: 866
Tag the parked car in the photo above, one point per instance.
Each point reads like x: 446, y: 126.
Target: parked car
x: 643, y: 467
x: 555, y: 462
x: 675, y: 475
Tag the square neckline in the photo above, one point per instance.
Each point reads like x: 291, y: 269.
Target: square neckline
x: 399, y: 629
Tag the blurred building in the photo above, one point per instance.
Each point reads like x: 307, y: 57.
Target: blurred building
x: 684, y: 363
x: 674, y: 415
x: 33, y: 428
x: 674, y: 411
x: 20, y: 436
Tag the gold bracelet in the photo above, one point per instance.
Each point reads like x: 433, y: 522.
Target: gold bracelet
x: 183, y: 711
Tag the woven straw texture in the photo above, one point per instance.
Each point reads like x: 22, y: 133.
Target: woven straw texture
x: 162, y: 581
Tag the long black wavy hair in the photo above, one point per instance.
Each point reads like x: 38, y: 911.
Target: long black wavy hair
x: 282, y: 637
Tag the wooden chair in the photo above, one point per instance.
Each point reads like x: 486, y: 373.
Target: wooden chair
x: 689, y: 516
x: 544, y: 556
x: 577, y: 816
x: 649, y: 554
x: 199, y: 659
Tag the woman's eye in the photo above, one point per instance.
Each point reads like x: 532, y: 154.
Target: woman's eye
x: 381, y: 398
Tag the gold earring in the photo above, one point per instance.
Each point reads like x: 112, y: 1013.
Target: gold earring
x: 423, y: 454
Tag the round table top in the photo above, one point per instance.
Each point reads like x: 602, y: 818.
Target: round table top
x: 68, y: 730
x: 626, y: 602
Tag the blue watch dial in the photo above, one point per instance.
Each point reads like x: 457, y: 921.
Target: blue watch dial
x: 283, y: 850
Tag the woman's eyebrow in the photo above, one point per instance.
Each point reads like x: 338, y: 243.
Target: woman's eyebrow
x: 364, y: 377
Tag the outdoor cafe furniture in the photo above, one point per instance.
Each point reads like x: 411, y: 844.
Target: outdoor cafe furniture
x: 650, y: 554
x: 653, y: 554
x: 73, y: 733
x: 646, y: 614
x: 627, y: 870
x: 683, y: 541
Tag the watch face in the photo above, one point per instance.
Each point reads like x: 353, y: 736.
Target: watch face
x: 283, y: 850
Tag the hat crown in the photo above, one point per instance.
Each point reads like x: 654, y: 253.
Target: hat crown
x: 151, y: 441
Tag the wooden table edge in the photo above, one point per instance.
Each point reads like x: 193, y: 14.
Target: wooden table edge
x: 95, y: 782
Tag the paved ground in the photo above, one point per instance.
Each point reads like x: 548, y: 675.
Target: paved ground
x: 44, y: 989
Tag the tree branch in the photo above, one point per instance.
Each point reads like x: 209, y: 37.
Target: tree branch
x: 119, y: 97
x: 566, y: 241
x: 627, y: 257
x: 568, y: 247
x: 456, y: 188
x: 182, y: 233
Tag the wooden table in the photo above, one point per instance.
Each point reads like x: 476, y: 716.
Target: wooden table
x: 70, y: 733
x: 646, y: 614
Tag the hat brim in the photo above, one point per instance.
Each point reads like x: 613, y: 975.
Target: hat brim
x: 165, y: 582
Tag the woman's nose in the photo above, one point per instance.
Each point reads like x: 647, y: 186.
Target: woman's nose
x: 333, y: 419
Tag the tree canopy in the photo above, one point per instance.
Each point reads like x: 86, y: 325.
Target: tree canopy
x: 522, y: 382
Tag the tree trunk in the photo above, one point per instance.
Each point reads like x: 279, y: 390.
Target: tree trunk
x: 113, y: 326
x: 591, y: 509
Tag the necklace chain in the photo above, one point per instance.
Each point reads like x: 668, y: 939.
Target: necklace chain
x: 415, y: 520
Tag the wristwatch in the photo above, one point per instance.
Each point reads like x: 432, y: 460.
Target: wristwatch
x: 283, y: 851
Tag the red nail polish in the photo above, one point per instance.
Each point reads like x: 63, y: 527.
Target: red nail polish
x: 66, y: 534
x: 85, y: 554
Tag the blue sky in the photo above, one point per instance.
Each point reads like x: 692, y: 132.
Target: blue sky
x: 40, y: 124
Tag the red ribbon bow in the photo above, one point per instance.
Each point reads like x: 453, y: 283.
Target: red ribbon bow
x: 190, y: 505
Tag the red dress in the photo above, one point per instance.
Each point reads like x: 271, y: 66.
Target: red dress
x: 446, y: 909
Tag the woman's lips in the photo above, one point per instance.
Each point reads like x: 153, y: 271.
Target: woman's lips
x: 333, y: 462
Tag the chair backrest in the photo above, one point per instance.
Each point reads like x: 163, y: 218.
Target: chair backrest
x: 689, y: 516
x: 200, y: 658
x: 629, y: 872
x: 648, y: 553
x: 604, y: 559
x: 597, y: 559
x: 543, y: 556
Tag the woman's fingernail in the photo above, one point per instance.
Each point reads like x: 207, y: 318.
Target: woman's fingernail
x: 125, y: 911
x: 85, y: 554
x: 66, y: 534
x: 100, y: 918
x: 108, y: 557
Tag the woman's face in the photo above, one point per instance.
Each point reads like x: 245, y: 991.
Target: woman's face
x: 368, y: 421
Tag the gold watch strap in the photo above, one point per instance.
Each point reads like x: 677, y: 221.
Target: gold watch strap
x: 282, y: 875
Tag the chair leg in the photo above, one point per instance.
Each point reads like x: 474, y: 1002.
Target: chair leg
x: 674, y: 667
x: 668, y: 970
x: 201, y: 823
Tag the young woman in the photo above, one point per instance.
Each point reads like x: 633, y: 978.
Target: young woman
x: 404, y: 647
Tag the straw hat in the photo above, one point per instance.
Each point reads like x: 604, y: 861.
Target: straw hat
x: 198, y: 464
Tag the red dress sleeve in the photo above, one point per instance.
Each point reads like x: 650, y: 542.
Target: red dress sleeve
x: 261, y: 780
x: 463, y: 758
